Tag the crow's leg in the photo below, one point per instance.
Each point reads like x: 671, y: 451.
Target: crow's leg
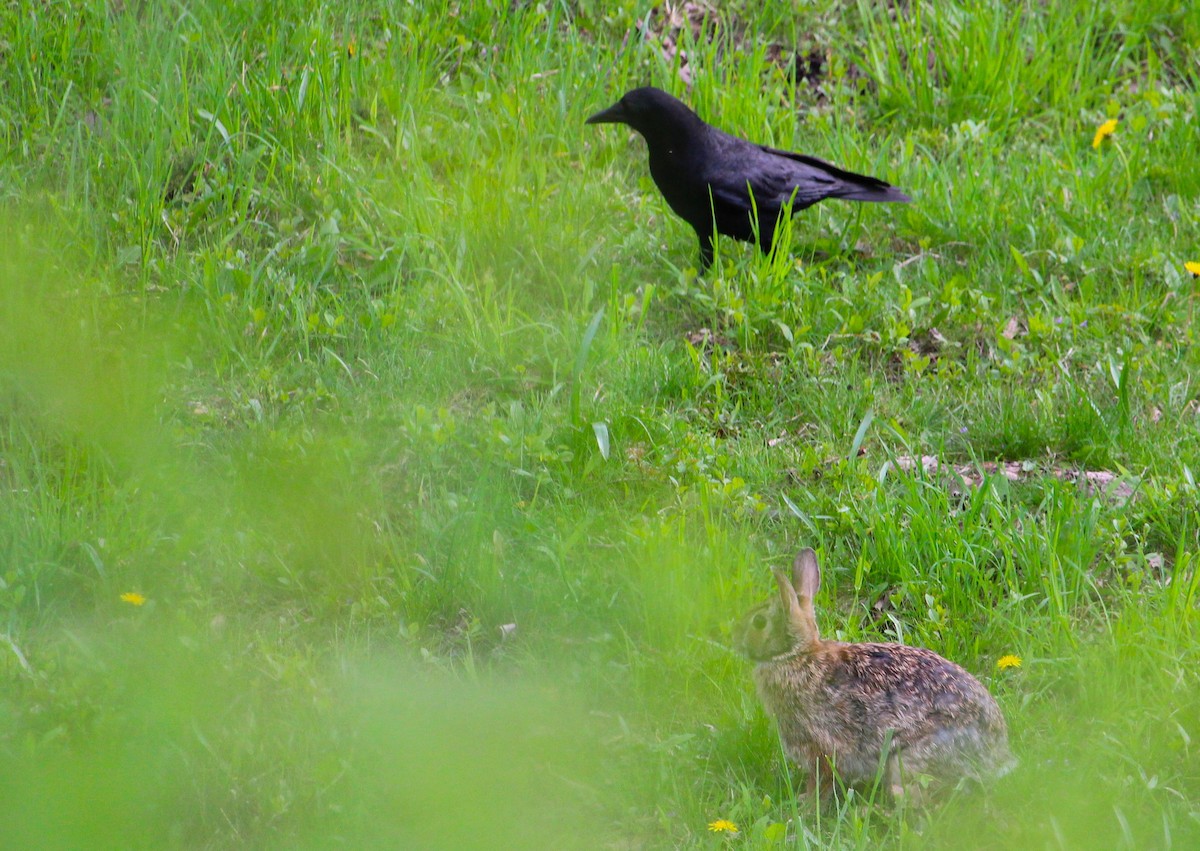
x: 707, y: 248
x: 766, y: 237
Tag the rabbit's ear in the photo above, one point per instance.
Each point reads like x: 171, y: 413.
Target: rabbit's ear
x: 787, y: 594
x: 806, y: 574
x: 798, y: 598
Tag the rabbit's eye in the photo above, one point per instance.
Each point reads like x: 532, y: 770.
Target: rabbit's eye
x: 758, y: 621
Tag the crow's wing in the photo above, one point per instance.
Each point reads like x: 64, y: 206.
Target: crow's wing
x: 773, y: 180
x: 849, y: 185
x: 775, y: 177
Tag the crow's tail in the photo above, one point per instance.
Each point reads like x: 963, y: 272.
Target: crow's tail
x: 877, y: 191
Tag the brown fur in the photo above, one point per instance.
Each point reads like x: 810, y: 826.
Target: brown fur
x: 838, y: 705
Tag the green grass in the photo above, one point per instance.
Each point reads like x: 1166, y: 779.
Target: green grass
x: 341, y: 339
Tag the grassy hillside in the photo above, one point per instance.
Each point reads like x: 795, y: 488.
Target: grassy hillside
x: 376, y: 470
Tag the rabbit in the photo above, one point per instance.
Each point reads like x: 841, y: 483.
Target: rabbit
x: 840, y: 706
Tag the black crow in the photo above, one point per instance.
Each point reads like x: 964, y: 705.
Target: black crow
x: 719, y: 183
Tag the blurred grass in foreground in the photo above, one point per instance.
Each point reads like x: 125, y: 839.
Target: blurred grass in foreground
x: 192, y: 739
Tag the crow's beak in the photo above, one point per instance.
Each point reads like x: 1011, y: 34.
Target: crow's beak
x: 615, y: 114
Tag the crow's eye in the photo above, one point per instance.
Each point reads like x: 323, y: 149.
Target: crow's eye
x: 758, y: 621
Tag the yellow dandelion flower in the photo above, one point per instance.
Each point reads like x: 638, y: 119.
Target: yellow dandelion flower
x: 133, y: 598
x: 1103, y: 131
x: 1193, y: 267
x: 1009, y: 661
x: 722, y: 826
